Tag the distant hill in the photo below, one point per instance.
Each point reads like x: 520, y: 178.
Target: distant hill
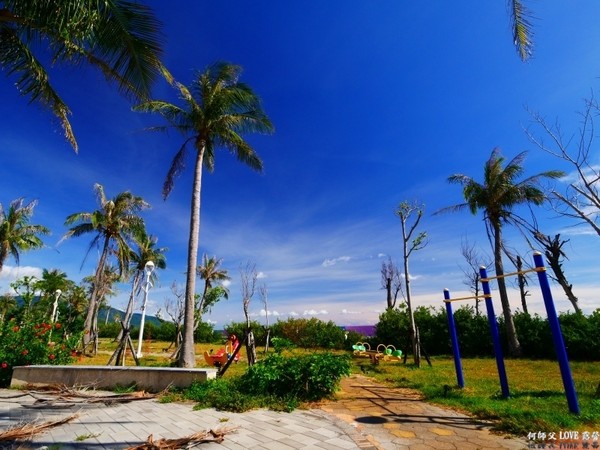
x: 112, y: 313
x: 136, y: 318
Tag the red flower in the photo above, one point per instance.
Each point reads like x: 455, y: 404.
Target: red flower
x: 24, y: 352
x: 51, y: 356
x: 4, y: 365
x: 58, y: 325
x: 15, y: 329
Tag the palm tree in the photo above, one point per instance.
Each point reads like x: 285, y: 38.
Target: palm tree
x: 146, y: 251
x: 121, y: 38
x: 210, y: 272
x: 520, y: 17
x: 499, y: 194
x: 217, y: 110
x: 104, y: 289
x: 16, y: 233
x: 113, y: 224
x: 52, y: 281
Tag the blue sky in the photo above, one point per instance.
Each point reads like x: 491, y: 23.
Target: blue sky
x: 373, y: 103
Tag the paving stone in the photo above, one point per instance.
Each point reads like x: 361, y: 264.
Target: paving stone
x: 366, y: 416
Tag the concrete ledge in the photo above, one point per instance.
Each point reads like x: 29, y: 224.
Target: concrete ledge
x: 151, y: 379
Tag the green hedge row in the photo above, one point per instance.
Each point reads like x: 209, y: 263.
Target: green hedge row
x: 579, y: 333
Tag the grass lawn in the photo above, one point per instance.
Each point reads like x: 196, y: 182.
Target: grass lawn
x: 537, y: 400
x: 157, y: 353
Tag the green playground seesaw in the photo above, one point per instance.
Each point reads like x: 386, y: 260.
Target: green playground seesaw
x: 383, y: 352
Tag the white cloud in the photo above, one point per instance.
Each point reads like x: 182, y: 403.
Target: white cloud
x: 260, y: 275
x: 10, y: 273
x: 589, y: 173
x: 346, y: 311
x: 314, y: 312
x: 334, y: 261
x: 582, y: 230
x: 262, y: 312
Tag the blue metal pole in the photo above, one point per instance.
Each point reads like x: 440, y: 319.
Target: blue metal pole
x: 557, y: 337
x: 454, y: 338
x: 494, y: 331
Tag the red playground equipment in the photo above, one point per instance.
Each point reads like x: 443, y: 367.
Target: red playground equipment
x: 219, y: 359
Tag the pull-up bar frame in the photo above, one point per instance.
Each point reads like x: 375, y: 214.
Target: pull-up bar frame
x: 557, y: 336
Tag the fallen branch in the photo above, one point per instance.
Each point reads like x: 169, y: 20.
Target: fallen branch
x: 28, y: 430
x: 62, y: 395
x: 183, y: 443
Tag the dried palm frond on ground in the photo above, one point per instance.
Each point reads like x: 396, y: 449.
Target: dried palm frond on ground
x: 60, y: 396
x: 9, y: 397
x: 26, y: 431
x: 86, y: 391
x: 185, y: 442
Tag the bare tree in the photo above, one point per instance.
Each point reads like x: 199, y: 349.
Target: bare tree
x: 474, y: 261
x: 553, y: 250
x: 391, y: 281
x: 522, y: 283
x: 103, y: 285
x: 175, y: 309
x: 410, y: 215
x: 581, y: 198
x: 262, y: 290
x: 249, y: 276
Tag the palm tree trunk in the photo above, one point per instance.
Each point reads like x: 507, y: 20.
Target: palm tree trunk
x: 90, y: 324
x: 514, y: 347
x: 3, y: 255
x: 187, y: 356
x: 129, y: 311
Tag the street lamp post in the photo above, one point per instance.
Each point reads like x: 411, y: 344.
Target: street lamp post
x: 148, y: 268
x: 55, y: 306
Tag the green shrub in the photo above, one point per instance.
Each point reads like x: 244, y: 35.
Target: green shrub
x: 220, y: 393
x: 281, y: 344
x: 306, y: 378
x: 32, y: 343
x: 239, y: 329
x: 204, y: 333
x: 392, y: 329
x: 277, y: 382
x: 109, y: 330
x: 474, y: 337
x: 310, y: 333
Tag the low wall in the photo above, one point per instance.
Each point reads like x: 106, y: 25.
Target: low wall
x: 151, y: 379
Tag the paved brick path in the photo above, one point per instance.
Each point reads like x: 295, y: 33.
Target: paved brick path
x: 366, y: 416
x: 392, y: 418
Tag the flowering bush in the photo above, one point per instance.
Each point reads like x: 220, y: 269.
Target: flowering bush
x: 32, y: 344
